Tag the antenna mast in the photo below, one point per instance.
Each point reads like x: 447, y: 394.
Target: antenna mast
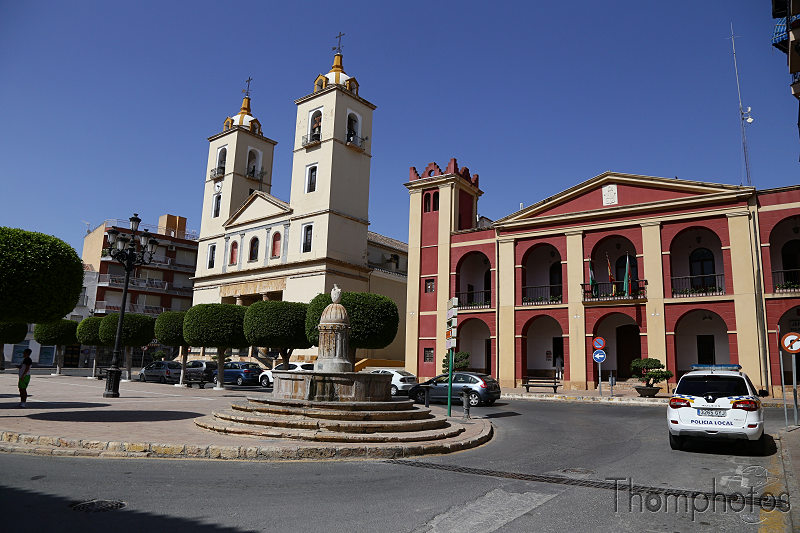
x: 744, y: 114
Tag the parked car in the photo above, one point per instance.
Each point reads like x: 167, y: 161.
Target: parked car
x: 238, y: 372
x: 161, y: 371
x: 266, y: 376
x: 716, y: 402
x: 198, y: 369
x: 402, y: 380
x: 483, y: 388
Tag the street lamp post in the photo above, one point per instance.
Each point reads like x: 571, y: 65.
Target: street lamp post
x: 124, y: 249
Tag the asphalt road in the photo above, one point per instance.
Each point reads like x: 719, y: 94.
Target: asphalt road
x: 549, y: 467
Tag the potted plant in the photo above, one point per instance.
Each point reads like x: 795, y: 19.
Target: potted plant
x: 650, y: 371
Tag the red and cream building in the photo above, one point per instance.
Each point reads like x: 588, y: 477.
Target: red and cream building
x: 713, y: 269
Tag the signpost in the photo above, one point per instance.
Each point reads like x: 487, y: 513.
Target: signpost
x: 599, y: 356
x: 791, y: 343
x: 452, y: 323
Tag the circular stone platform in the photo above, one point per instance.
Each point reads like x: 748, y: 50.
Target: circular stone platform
x: 332, y: 386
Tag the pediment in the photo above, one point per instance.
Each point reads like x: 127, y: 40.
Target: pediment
x: 619, y: 192
x: 259, y: 206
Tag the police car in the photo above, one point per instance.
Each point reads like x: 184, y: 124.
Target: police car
x: 716, y: 402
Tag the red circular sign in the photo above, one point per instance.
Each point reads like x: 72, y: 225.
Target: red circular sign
x: 599, y: 343
x: 791, y: 342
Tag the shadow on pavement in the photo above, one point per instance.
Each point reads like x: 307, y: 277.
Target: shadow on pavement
x: 51, y: 405
x: 736, y: 447
x: 33, y: 511
x: 114, y: 416
x: 501, y: 415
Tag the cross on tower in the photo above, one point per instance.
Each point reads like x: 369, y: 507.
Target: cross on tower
x: 338, y: 48
x: 247, y: 91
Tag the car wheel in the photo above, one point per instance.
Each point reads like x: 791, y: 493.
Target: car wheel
x: 162, y: 379
x: 474, y: 399
x: 141, y: 377
x: 214, y: 380
x: 393, y: 390
x: 419, y: 396
x: 675, y: 442
x: 490, y: 402
x: 240, y: 381
x: 265, y: 382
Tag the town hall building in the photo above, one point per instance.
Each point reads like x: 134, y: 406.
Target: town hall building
x: 254, y: 246
x: 682, y: 271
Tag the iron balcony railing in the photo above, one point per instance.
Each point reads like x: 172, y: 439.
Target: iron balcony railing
x: 217, y: 172
x: 190, y: 235
x: 311, y: 139
x: 355, y: 140
x: 786, y: 281
x: 703, y: 285
x: 159, y: 262
x: 614, y: 290
x: 795, y: 78
x: 474, y: 299
x: 256, y: 175
x: 105, y: 307
x: 542, y: 295
x: 147, y: 284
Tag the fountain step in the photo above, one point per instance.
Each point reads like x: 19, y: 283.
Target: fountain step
x: 418, y: 413
x: 344, y: 426
x: 394, y: 405
x: 257, y: 431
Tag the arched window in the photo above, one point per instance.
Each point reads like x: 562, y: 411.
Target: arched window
x: 311, y: 179
x: 252, y: 160
x: 222, y: 155
x: 352, y: 128
x: 316, y: 125
x: 555, y: 279
x: 253, y: 256
x: 436, y: 201
x: 701, y: 262
x: 426, y: 203
x: 276, y: 245
x: 790, y: 257
x: 234, y: 253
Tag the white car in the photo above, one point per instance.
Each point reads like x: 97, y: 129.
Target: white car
x: 265, y: 378
x: 401, y: 380
x: 716, y: 402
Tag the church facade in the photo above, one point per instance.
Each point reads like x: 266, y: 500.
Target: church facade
x: 683, y: 271
x: 254, y: 246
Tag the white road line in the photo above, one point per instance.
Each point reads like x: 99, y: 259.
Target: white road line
x: 488, y: 513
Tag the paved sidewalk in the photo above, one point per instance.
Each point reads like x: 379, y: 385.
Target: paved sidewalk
x: 68, y: 416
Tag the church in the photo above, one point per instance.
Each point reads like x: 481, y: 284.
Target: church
x: 254, y: 246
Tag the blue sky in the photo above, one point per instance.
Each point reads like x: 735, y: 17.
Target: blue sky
x: 106, y: 106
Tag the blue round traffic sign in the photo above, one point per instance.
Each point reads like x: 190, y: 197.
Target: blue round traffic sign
x: 599, y: 343
x: 599, y: 356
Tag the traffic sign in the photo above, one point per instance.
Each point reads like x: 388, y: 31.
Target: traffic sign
x: 599, y: 356
x: 791, y: 342
x: 599, y: 343
x: 450, y: 343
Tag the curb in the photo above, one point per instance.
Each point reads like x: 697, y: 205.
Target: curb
x: 13, y: 442
x: 789, y: 477
x: 616, y: 400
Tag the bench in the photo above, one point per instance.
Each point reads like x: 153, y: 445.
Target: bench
x: 541, y: 381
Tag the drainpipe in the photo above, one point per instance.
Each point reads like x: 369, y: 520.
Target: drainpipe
x: 758, y: 278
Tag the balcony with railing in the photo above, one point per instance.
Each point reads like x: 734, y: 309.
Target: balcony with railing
x: 702, y: 285
x: 217, y: 172
x: 786, y: 281
x: 606, y: 291
x: 542, y: 295
x: 102, y: 307
x: 190, y: 235
x: 474, y: 299
x: 311, y: 139
x: 351, y: 139
x: 256, y: 175
x: 142, y: 284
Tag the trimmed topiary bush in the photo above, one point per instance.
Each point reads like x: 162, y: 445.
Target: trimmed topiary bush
x: 137, y: 330
x: 650, y: 371
x: 169, y: 328
x: 42, y: 277
x: 277, y: 324
x: 216, y: 325
x: 11, y: 333
x: 460, y: 361
x: 88, y: 332
x: 59, y: 333
x: 373, y: 319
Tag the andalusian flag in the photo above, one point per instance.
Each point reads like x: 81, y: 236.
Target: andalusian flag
x: 627, y: 281
x: 611, y: 277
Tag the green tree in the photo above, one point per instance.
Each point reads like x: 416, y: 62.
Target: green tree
x: 169, y: 332
x: 59, y: 333
x: 216, y: 325
x: 650, y: 371
x: 460, y: 361
x: 277, y: 324
x: 373, y: 319
x: 137, y: 330
x: 11, y: 333
x: 88, y: 332
x: 42, y: 277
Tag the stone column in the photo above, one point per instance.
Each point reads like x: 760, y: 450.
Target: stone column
x: 577, y: 323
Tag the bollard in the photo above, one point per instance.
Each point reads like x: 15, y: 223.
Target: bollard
x: 427, y: 396
x: 465, y: 400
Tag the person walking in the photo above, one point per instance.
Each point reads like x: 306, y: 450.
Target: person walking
x: 24, y: 376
